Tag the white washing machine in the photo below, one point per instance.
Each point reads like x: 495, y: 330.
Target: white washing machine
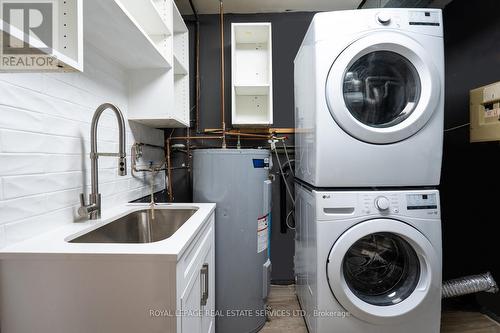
x: 369, y: 261
x: 369, y: 88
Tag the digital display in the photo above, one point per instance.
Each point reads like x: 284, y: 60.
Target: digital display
x: 421, y: 201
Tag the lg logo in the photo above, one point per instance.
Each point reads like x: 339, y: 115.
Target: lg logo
x: 27, y: 24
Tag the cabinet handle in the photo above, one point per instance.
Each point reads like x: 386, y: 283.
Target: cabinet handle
x: 204, y: 284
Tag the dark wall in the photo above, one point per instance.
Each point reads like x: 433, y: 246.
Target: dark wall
x: 470, y: 184
x: 288, y: 30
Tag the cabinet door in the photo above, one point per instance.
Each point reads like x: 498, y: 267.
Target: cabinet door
x: 208, y: 319
x: 198, y: 297
x: 191, y: 305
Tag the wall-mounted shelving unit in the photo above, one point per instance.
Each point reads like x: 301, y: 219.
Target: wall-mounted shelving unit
x: 150, y: 39
x: 252, y: 88
x: 181, y: 64
x: 68, y: 37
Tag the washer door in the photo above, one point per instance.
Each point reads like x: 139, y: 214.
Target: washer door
x: 383, y: 88
x: 381, y: 269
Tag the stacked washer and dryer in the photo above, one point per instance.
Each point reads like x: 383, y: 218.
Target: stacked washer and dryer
x: 369, y: 88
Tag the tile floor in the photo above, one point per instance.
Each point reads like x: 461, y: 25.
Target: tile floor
x: 283, y: 298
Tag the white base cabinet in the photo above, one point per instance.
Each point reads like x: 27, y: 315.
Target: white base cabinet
x: 112, y: 293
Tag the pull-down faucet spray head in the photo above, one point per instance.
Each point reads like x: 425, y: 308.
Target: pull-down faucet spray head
x: 93, y: 209
x: 122, y: 166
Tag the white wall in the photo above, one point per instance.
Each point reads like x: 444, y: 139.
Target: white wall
x: 45, y: 145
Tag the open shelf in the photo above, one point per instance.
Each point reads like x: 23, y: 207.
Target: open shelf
x: 181, y: 48
x: 252, y: 102
x: 134, y: 41
x: 179, y: 25
x: 171, y: 122
x: 251, y: 89
x: 148, y: 15
x: 181, y: 96
x: 179, y: 68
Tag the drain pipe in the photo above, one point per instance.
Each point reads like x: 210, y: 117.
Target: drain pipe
x: 469, y: 285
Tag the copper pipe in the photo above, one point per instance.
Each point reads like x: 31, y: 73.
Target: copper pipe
x: 169, y: 173
x: 206, y: 137
x: 263, y: 136
x: 188, y: 155
x: 256, y: 130
x: 222, y: 74
x: 169, y: 153
x: 244, y: 136
x: 198, y: 85
x: 249, y: 135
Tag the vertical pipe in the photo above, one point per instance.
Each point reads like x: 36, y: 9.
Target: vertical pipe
x: 169, y: 172
x: 197, y: 52
x: 197, y: 59
x: 222, y: 85
x: 188, y: 164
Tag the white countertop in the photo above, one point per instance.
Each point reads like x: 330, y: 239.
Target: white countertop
x: 56, y: 242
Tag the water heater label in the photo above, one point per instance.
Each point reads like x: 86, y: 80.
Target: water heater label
x: 261, y: 163
x: 262, y: 233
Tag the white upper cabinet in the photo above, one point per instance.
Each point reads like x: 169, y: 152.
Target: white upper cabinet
x: 251, y: 74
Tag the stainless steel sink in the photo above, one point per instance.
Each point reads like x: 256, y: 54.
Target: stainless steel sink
x: 139, y: 227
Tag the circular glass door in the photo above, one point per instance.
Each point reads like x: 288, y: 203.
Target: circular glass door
x: 381, y: 269
x: 383, y: 88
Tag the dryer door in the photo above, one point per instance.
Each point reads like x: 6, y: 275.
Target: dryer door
x: 382, y: 269
x: 383, y: 88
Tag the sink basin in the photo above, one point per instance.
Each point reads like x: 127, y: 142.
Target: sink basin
x: 139, y: 227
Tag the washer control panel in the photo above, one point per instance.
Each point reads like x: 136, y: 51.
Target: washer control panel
x: 421, y: 201
x: 332, y: 205
x: 384, y: 203
x: 410, y: 203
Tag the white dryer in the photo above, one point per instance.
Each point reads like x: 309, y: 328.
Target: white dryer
x: 369, y: 88
x: 369, y: 261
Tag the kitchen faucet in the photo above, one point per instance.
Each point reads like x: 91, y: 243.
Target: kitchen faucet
x: 93, y: 209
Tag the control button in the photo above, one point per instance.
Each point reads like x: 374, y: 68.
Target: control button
x: 383, y: 18
x: 382, y: 203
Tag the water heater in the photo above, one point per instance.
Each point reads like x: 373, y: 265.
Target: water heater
x: 237, y: 180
